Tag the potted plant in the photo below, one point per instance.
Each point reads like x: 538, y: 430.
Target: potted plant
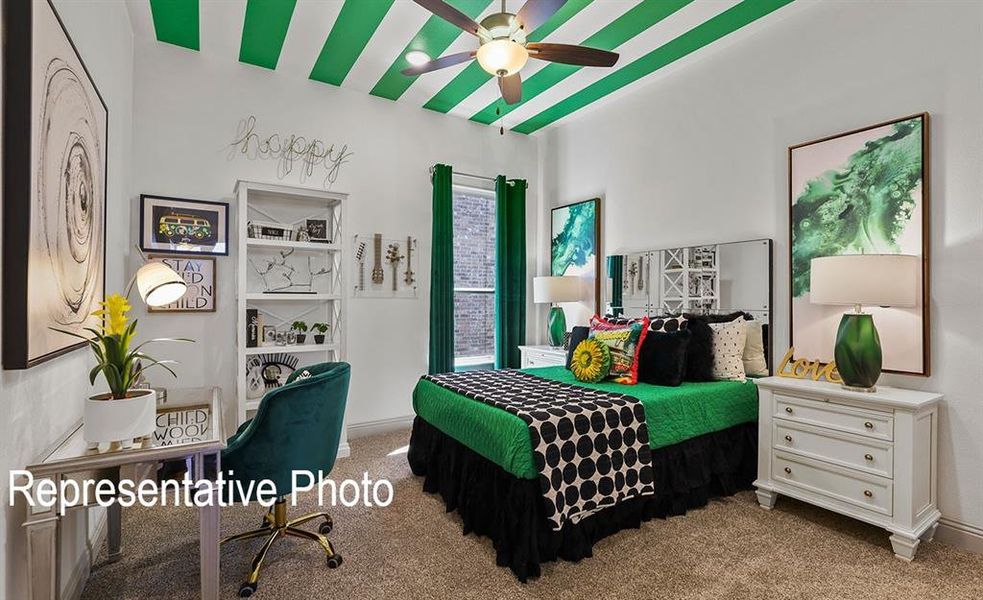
x: 124, y: 413
x: 321, y: 329
x: 301, y: 328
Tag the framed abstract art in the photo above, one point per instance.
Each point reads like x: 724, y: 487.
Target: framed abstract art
x: 575, y: 235
x: 55, y: 126
x: 861, y: 192
x: 182, y: 226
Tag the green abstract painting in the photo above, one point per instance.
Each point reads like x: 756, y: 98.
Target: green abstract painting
x: 574, y: 239
x: 862, y: 192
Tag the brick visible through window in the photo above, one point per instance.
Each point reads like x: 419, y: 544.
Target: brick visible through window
x: 474, y: 278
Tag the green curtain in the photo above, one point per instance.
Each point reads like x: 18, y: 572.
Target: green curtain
x: 615, y: 272
x: 510, y: 271
x: 442, y: 273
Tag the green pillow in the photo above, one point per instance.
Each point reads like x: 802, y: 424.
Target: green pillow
x: 591, y: 361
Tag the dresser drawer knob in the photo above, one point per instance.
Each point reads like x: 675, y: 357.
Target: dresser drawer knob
x: 869, y: 456
x: 868, y: 425
x: 788, y: 470
x: 868, y: 493
x: 788, y: 409
x: 788, y: 438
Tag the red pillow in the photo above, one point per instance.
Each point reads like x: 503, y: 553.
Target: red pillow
x: 624, y: 338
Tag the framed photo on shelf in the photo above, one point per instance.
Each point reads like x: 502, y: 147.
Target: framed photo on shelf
x: 317, y: 230
x: 55, y: 144
x: 182, y: 226
x: 199, y: 274
x: 575, y: 237
x: 269, y: 335
x: 861, y: 192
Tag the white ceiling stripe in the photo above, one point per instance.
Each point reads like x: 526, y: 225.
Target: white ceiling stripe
x: 666, y: 30
x: 309, y: 28
x: 141, y: 19
x: 220, y: 28
x: 403, y: 21
x: 594, y: 17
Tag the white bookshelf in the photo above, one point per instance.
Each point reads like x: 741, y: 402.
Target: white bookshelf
x: 289, y: 205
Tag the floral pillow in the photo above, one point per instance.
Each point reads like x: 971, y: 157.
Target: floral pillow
x: 591, y: 361
x: 623, y: 339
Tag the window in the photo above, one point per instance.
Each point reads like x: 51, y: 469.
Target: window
x: 474, y: 278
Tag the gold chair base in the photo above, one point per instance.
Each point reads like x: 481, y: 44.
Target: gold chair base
x: 276, y: 525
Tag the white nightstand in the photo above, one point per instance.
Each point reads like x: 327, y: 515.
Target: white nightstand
x: 870, y: 456
x: 542, y: 356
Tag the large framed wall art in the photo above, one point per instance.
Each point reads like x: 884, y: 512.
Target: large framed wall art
x: 55, y: 134
x: 861, y: 192
x: 575, y: 235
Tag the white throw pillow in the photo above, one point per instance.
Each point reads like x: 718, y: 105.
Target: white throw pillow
x: 755, y: 363
x: 729, y: 340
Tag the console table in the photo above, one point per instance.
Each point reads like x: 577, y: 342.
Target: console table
x: 71, y: 458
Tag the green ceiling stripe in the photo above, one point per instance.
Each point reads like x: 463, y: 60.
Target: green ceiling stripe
x: 643, y: 16
x: 706, y: 33
x: 349, y: 35
x: 473, y: 76
x: 435, y: 36
x: 263, y: 31
x: 176, y: 22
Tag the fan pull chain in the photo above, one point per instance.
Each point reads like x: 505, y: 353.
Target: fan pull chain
x: 501, y: 125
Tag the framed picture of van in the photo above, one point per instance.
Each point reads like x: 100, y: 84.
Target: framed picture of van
x: 183, y: 226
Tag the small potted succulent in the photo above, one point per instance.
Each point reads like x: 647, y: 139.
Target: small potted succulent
x: 124, y: 413
x: 320, y: 329
x: 301, y: 328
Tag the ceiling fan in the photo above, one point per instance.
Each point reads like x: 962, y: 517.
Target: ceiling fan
x: 503, y: 47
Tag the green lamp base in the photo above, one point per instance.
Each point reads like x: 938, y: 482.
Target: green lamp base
x: 858, y: 352
x: 556, y: 326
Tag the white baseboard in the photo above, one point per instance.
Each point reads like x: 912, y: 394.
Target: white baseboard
x: 961, y: 535
x: 366, y: 428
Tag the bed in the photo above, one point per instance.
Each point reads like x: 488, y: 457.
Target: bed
x: 479, y: 458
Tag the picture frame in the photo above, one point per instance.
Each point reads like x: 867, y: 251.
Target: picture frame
x: 55, y: 166
x: 199, y: 273
x: 575, y: 244
x: 317, y: 230
x: 269, y: 336
x: 899, y: 148
x: 183, y: 226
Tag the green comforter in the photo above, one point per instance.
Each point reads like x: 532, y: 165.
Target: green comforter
x: 673, y: 414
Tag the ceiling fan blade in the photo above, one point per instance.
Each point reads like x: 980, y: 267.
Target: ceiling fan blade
x: 573, y: 55
x: 439, y: 63
x: 451, y: 15
x: 535, y: 12
x: 511, y: 88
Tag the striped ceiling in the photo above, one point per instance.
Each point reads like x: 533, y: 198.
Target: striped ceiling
x: 361, y: 45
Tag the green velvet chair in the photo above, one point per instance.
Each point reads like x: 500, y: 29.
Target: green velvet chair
x: 296, y: 428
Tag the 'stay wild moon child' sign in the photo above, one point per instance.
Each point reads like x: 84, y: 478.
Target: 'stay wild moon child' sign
x: 199, y: 274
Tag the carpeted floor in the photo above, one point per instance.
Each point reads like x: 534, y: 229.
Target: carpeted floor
x: 731, y: 549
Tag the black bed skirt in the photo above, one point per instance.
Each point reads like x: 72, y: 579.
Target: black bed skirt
x: 509, y: 510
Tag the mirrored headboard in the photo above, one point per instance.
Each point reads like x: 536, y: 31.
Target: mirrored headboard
x: 705, y: 279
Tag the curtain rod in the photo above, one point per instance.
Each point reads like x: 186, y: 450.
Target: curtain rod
x: 458, y: 173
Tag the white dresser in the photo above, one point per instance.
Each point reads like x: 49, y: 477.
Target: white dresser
x: 870, y: 456
x: 542, y: 356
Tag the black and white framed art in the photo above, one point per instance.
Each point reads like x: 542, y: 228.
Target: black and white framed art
x: 55, y: 126
x: 182, y: 226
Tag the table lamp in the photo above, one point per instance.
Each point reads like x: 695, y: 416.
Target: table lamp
x: 157, y: 283
x: 862, y: 280
x: 550, y: 290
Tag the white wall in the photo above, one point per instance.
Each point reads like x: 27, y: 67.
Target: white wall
x: 187, y: 106
x: 700, y: 156
x: 39, y: 404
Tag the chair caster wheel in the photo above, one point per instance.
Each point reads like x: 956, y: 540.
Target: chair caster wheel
x: 247, y: 589
x: 334, y: 561
x: 325, y: 528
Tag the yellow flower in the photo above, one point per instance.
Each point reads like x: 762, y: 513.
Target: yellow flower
x: 113, y: 313
x: 591, y: 361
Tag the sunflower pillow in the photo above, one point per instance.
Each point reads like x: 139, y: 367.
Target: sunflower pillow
x: 591, y: 361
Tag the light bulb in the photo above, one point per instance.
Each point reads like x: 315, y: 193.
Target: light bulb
x: 502, y: 57
x: 417, y: 58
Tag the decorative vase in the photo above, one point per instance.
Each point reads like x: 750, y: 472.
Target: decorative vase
x: 301, y: 338
x: 556, y: 326
x: 108, y: 419
x: 858, y: 352
x: 318, y: 338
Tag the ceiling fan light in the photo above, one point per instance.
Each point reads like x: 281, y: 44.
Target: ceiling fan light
x: 502, y: 57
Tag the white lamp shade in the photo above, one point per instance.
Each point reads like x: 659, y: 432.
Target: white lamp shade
x: 159, y: 284
x: 865, y: 279
x: 502, y: 57
x: 555, y: 289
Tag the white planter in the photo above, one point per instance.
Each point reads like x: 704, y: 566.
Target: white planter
x: 110, y: 420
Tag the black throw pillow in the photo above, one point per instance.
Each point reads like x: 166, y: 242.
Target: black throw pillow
x: 699, y: 351
x: 662, y: 358
x: 577, y: 335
